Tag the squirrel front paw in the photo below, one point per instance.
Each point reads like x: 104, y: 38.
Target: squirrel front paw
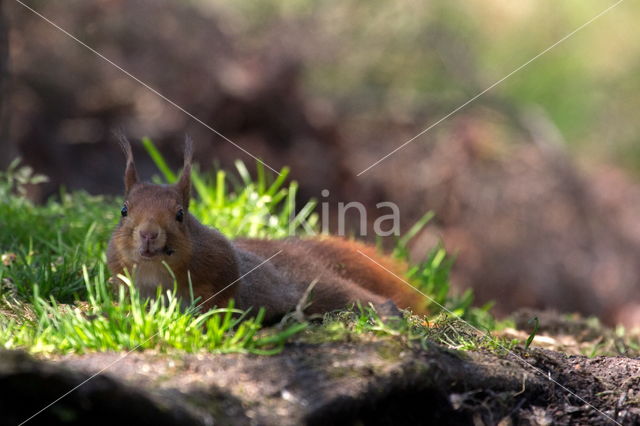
x: 388, y: 309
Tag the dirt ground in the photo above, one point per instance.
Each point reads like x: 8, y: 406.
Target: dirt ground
x: 381, y: 380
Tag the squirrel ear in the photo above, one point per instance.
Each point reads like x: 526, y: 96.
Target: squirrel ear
x: 184, y: 183
x: 130, y: 173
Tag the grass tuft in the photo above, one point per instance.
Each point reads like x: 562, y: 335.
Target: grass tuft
x: 431, y: 277
x: 123, y: 320
x: 364, y: 323
x: 240, y: 205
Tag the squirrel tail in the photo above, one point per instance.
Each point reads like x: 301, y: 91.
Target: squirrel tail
x: 368, y: 268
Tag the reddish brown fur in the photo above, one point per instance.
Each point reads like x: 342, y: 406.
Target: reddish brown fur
x: 151, y: 233
x: 347, y: 260
x: 344, y: 274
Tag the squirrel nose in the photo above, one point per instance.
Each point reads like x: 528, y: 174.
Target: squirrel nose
x: 148, y: 235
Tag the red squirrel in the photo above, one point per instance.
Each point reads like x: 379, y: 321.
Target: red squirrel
x: 157, y: 228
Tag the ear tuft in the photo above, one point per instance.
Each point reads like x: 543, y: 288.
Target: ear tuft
x: 130, y: 173
x: 188, y: 151
x: 184, y: 183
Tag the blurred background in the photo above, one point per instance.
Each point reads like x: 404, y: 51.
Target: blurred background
x: 534, y: 185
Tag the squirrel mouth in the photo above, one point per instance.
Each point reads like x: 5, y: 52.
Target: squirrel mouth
x: 150, y: 254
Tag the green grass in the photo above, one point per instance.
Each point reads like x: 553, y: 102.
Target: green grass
x: 240, y: 205
x: 431, y: 277
x: 51, y: 242
x: 54, y: 290
x: 363, y: 323
x: 125, y: 321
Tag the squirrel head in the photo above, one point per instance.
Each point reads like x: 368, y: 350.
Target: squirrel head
x: 155, y: 221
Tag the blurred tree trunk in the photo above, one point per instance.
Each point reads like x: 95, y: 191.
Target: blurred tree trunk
x: 7, y: 149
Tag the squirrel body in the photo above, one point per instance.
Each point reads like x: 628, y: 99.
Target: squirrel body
x: 157, y: 231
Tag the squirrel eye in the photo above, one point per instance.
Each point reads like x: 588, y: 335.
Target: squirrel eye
x: 124, y: 211
x: 180, y: 215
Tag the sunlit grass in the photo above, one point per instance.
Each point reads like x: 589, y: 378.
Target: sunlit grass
x: 240, y: 205
x: 123, y: 320
x: 363, y: 324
